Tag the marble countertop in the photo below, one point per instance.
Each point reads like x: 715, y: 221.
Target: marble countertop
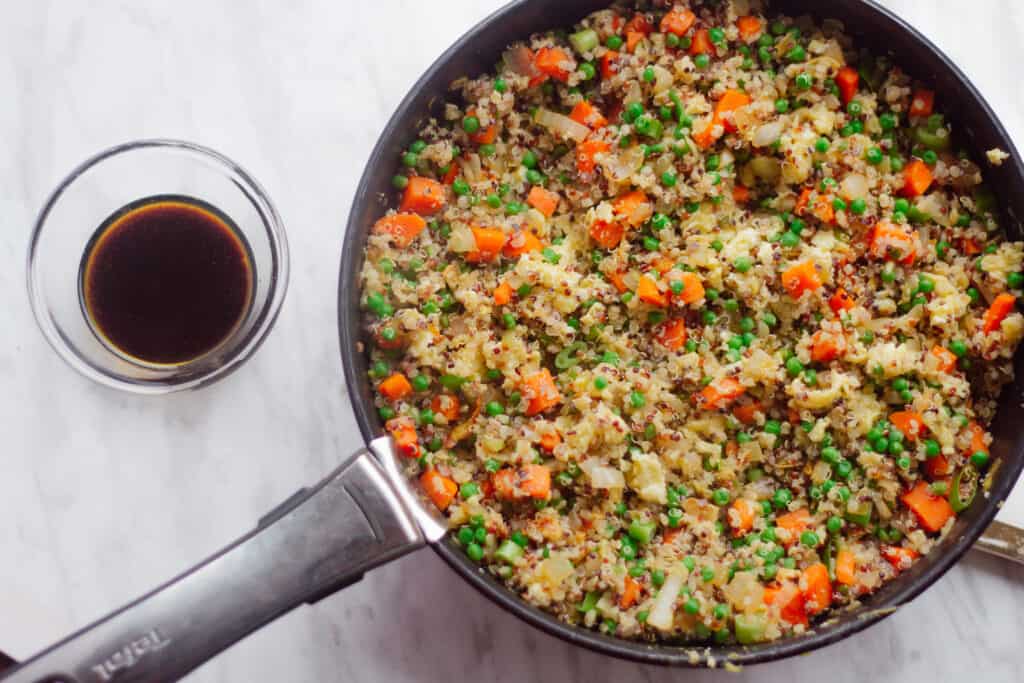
x: 106, y: 494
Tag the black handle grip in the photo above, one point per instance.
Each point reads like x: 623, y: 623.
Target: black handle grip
x: 320, y: 540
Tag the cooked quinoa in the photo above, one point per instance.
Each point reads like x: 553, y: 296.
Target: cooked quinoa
x: 691, y: 320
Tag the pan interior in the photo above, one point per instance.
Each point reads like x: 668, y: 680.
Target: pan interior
x: 872, y: 27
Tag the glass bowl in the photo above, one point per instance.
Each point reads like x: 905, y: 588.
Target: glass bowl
x: 110, y: 181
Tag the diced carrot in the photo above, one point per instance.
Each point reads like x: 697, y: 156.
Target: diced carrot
x: 528, y: 481
x: 792, y: 611
x: 543, y: 200
x: 693, y: 288
x: 630, y: 592
x: 822, y: 208
x: 423, y: 196
x: 1000, y: 307
x: 588, y: 115
x: 848, y: 81
x: 607, y: 235
x: 647, y: 290
x: 719, y: 394
x: 554, y: 62
x: 846, y: 568
x: 633, y: 39
x: 977, y: 442
x: 826, y: 346
x: 740, y: 194
x: 586, y: 153
x: 841, y: 301
x: 549, y: 440
x: 917, y: 178
x: 910, y: 423
x: 701, y: 42
x: 663, y: 264
x: 609, y: 64
x: 730, y: 102
x: 403, y: 227
x: 922, y: 103
x: 892, y: 243
x: 395, y: 342
x: 503, y: 294
x: 451, y: 174
x: 521, y: 242
x: 678, y: 21
x: 632, y: 208
x: 439, y: 488
x: 670, y: 535
x: 899, y: 557
x: 489, y: 242
x: 817, y: 588
x: 741, y: 516
x: 970, y: 246
x: 795, y: 523
x: 707, y: 137
x: 447, y: 405
x: 640, y: 24
x: 801, y: 277
x: 672, y: 334
x: 540, y: 392
x: 616, y: 279
x: 731, y: 448
x: 747, y: 412
x: 403, y: 431
x: 395, y: 388
x: 750, y: 28
x: 932, y: 511
x: 485, y: 136
x: 937, y: 467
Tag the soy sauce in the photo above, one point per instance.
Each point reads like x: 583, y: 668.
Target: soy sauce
x: 166, y: 279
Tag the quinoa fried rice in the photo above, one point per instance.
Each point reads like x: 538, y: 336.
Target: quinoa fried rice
x: 691, y: 320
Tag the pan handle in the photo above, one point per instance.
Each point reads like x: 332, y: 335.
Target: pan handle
x: 317, y: 542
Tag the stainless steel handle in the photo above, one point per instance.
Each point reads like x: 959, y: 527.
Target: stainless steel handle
x: 1003, y: 540
x: 320, y: 540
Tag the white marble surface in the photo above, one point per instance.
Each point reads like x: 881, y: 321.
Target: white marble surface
x: 105, y: 494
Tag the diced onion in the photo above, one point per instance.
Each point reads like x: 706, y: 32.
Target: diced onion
x: 472, y: 171
x: 767, y: 134
x: 619, y: 167
x: 562, y: 125
x: 661, y: 614
x: 662, y: 79
x: 854, y: 186
x: 461, y: 239
x: 766, y: 169
x: 555, y: 570
x: 602, y: 476
x: 520, y: 60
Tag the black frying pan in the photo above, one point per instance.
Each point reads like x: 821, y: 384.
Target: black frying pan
x: 363, y: 514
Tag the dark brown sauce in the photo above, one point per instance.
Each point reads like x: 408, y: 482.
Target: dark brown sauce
x: 166, y: 279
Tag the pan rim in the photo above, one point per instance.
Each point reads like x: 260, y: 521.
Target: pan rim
x: 847, y: 622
